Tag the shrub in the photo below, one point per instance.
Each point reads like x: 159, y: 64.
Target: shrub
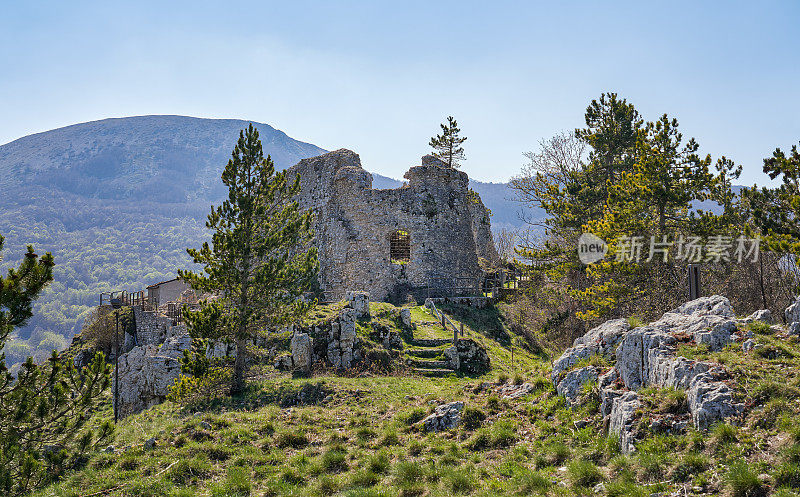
x: 724, y: 434
x: 472, y: 417
x: 532, y: 482
x: 502, y: 378
x: 409, y: 475
x: 186, y: 470
x: 327, y: 486
x: 518, y: 380
x: 236, y: 484
x: 415, y: 448
x: 583, y: 473
x: 364, y: 478
x: 378, y: 463
x: 334, y: 460
x: 787, y: 475
x: 414, y: 416
x: 296, y: 440
x: 460, y: 481
x: 390, y: 438
x: 743, y: 482
x: 691, y: 464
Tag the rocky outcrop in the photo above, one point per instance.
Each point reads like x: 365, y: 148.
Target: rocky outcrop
x: 467, y: 356
x: 621, y: 418
x: 646, y: 356
x: 602, y: 340
x: 445, y: 417
x: 359, y: 302
x: 572, y: 383
x: 147, y: 372
x: 763, y: 315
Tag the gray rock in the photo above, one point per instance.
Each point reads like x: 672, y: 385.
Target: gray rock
x: 359, y: 302
x: 748, y: 345
x: 622, y: 415
x: 710, y: 401
x: 516, y: 391
x: 301, y: 351
x: 602, y: 339
x: 792, y: 313
x: 205, y: 425
x: 146, y: 373
x: 405, y: 317
x: 467, y: 356
x: 572, y: 383
x: 445, y: 417
x: 150, y: 443
x: 763, y: 315
x: 794, y: 328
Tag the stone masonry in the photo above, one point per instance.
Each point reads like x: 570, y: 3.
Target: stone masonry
x: 448, y: 225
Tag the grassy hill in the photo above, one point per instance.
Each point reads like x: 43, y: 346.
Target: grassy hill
x: 359, y: 435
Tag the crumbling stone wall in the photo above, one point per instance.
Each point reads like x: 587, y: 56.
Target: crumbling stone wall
x: 449, y: 227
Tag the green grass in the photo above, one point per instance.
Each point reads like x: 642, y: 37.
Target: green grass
x: 364, y: 440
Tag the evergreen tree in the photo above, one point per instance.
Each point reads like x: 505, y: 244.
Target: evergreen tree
x: 776, y: 211
x: 258, y: 263
x: 43, y: 408
x: 447, y: 145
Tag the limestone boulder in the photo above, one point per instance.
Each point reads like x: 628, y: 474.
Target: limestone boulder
x: 710, y: 401
x: 792, y: 313
x: 146, y: 373
x: 359, y: 302
x: 302, y: 355
x: 405, y: 317
x: 467, y: 356
x: 763, y: 315
x: 572, y: 383
x: 623, y: 413
x: 445, y: 417
x: 601, y: 340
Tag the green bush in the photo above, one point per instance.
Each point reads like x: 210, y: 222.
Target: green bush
x: 742, y: 482
x: 294, y: 439
x: 532, y: 482
x: 583, y: 473
x: 460, y: 481
x: 787, y: 475
x: 691, y: 464
x: 472, y: 417
x: 334, y: 460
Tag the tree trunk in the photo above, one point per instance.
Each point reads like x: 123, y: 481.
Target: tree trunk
x: 237, y: 386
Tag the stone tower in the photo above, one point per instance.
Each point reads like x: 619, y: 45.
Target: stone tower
x: 393, y: 242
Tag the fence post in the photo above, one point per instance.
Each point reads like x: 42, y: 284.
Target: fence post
x: 694, y: 282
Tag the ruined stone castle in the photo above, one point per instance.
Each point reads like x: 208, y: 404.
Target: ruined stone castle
x: 432, y: 232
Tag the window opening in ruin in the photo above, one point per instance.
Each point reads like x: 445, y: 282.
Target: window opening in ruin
x: 400, y: 247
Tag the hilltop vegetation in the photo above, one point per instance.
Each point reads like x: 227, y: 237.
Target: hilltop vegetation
x: 361, y: 436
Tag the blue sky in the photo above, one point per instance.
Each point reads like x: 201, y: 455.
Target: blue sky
x: 378, y: 77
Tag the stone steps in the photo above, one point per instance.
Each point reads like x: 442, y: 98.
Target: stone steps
x: 432, y: 372
x: 430, y: 342
x: 430, y: 364
x: 424, y: 353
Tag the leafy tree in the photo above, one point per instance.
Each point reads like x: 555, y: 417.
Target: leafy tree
x: 44, y: 409
x: 258, y: 263
x: 447, y: 145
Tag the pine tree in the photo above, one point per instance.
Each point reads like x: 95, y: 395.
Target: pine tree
x: 44, y: 407
x: 258, y: 263
x: 447, y: 145
x: 776, y: 211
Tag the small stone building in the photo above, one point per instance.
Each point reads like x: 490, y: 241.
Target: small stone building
x: 167, y: 291
x: 432, y: 232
